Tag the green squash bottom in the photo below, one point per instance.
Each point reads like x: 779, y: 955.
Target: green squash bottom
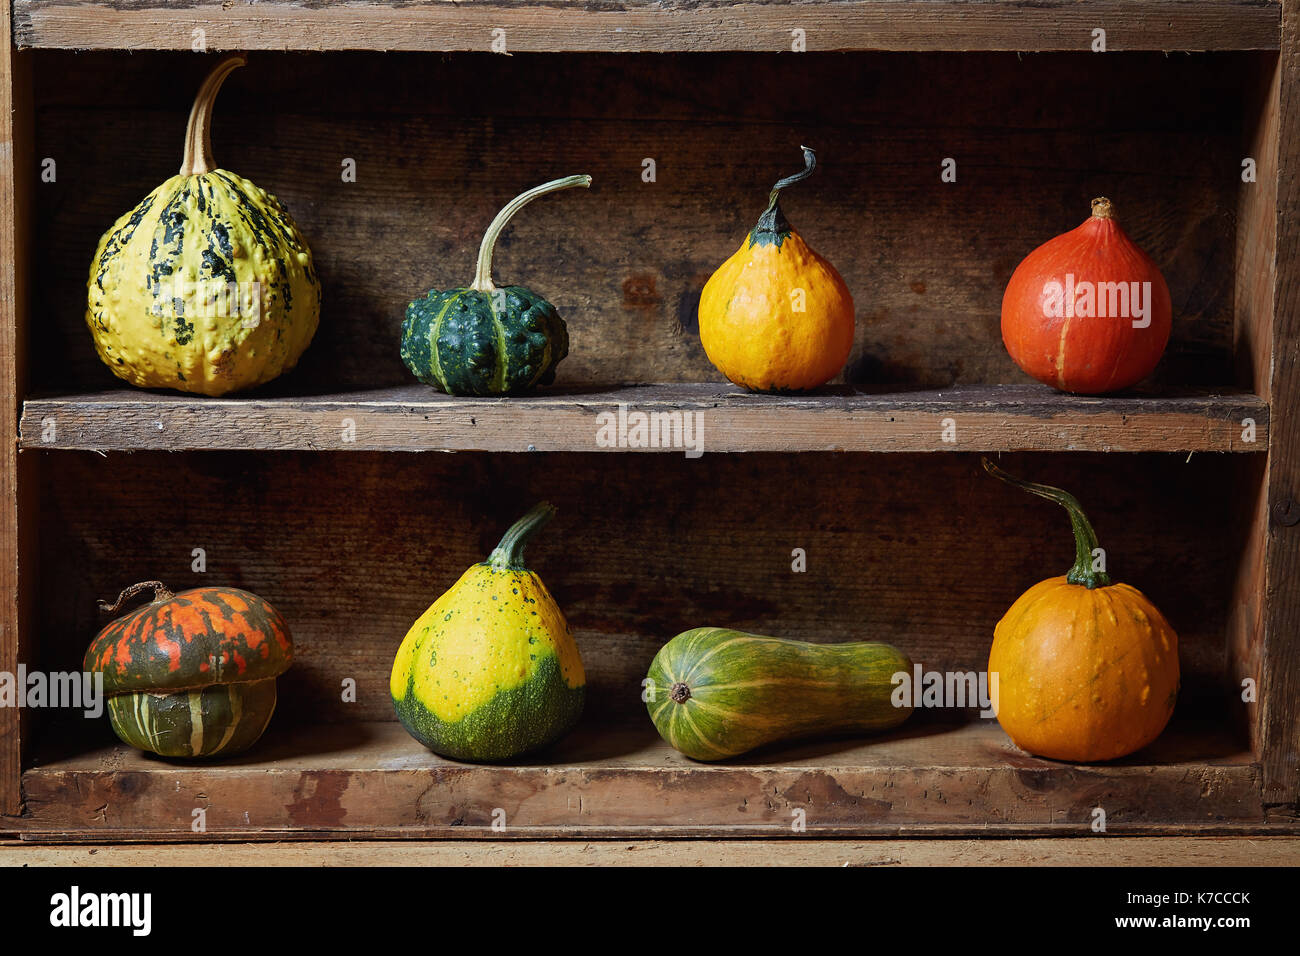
x: 513, y: 722
x: 208, y: 722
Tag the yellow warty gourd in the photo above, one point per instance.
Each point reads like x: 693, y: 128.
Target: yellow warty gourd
x: 207, y: 285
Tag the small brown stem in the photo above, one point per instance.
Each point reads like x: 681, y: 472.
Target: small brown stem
x: 198, y: 134
x: 1103, y: 208
x: 680, y: 692
x: 160, y: 593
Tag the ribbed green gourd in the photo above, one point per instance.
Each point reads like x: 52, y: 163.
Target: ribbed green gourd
x: 715, y: 693
x: 487, y: 340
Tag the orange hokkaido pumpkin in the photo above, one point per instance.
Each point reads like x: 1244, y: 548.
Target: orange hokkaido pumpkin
x: 1086, y: 670
x: 776, y: 316
x: 1087, y: 312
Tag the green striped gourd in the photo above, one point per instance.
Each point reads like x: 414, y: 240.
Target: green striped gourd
x: 715, y: 693
x: 487, y: 340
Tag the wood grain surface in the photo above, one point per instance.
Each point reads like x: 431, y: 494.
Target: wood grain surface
x: 925, y: 552
x: 684, y: 419
x: 634, y: 25
x: 374, y: 779
x: 441, y: 143
x: 1279, y: 702
x: 1109, y: 851
x: 17, y: 477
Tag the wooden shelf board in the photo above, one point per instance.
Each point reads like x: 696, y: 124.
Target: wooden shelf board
x: 373, y: 779
x: 417, y: 418
x: 1252, y: 851
x: 650, y: 25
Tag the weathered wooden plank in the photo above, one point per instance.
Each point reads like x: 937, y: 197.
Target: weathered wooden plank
x: 681, y: 418
x: 1256, y: 269
x: 922, y: 551
x: 645, y: 25
x: 376, y: 778
x: 1279, y: 702
x: 1111, y: 851
x: 17, y: 500
x: 624, y: 262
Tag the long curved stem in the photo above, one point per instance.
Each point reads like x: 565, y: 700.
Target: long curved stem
x: 509, y: 554
x: 198, y: 134
x: 160, y: 593
x: 773, y: 221
x: 1085, y: 539
x: 483, y: 272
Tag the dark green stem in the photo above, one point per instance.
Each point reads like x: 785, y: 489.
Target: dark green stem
x: 1085, y: 539
x: 772, y: 225
x: 509, y: 554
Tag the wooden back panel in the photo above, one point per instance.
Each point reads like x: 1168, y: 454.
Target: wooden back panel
x: 441, y: 142
x: 923, y: 551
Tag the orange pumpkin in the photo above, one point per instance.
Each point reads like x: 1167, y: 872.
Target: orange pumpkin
x: 1086, y: 670
x: 776, y: 316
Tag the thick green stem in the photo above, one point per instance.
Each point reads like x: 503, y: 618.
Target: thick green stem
x: 509, y: 554
x: 772, y: 225
x: 1085, y: 539
x: 483, y: 273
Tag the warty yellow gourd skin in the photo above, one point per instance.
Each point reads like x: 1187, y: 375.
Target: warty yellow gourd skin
x: 207, y: 285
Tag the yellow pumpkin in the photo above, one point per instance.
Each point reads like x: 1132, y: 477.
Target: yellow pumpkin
x: 1087, y: 670
x: 776, y: 316
x: 206, y: 285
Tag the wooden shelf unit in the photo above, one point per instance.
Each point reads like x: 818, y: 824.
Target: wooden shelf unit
x: 351, y: 541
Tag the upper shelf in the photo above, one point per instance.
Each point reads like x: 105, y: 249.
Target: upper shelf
x: 677, y: 418
x: 629, y: 26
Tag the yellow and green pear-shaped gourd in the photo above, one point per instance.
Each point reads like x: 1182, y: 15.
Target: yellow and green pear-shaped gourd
x: 490, y: 671
x: 207, y: 285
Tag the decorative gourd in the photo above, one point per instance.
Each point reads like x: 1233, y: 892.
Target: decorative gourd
x: 1087, y: 670
x: 490, y: 671
x: 191, y: 674
x: 486, y: 340
x: 776, y: 316
x: 714, y: 693
x: 1088, y: 311
x: 207, y: 285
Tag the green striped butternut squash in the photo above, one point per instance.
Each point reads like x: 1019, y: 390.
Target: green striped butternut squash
x: 715, y: 693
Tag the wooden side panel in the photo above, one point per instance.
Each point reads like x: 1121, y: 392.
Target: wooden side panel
x: 1256, y: 275
x: 440, y: 143
x: 16, y: 472
x: 1279, y: 717
x: 634, y: 25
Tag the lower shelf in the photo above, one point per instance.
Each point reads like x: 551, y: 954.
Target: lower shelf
x: 372, y: 780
